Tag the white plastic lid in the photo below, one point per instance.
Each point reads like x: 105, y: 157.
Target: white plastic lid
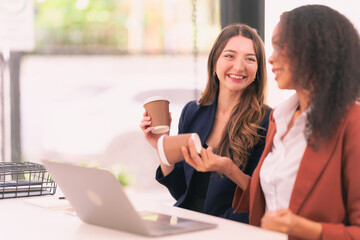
x: 160, y: 129
x: 161, y: 152
x: 156, y: 98
x: 195, y: 137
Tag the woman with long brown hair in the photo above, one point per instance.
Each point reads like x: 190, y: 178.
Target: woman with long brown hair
x: 230, y: 117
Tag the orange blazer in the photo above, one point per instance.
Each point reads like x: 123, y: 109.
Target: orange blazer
x: 327, y: 186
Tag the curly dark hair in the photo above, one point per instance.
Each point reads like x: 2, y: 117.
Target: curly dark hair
x: 324, y: 51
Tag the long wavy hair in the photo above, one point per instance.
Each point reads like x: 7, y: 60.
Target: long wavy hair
x: 241, y: 132
x: 323, y: 47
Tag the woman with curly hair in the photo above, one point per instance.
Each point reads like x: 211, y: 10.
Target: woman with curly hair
x: 307, y: 181
x: 230, y: 117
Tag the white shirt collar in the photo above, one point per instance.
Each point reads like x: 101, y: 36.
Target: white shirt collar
x: 286, y: 109
x: 284, y: 112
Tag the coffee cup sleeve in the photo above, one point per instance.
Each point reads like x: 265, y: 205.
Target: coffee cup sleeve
x: 161, y: 151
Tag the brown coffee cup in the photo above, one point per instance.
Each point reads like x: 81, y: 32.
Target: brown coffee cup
x: 169, y: 147
x: 157, y: 108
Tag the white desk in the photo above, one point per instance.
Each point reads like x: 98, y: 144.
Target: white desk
x: 20, y: 220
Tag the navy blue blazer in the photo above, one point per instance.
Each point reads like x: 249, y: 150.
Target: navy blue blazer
x: 220, y: 193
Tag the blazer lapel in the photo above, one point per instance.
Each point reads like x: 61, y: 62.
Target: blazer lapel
x: 257, y: 200
x: 189, y: 172
x: 311, y: 167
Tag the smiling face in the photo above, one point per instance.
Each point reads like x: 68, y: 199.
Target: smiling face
x: 280, y: 63
x: 237, y: 64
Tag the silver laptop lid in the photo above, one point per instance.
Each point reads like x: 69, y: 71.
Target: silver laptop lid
x: 97, y: 197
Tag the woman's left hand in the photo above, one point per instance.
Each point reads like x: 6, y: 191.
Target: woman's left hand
x: 282, y: 220
x: 208, y: 161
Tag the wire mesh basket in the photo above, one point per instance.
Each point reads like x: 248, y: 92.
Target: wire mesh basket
x: 25, y: 179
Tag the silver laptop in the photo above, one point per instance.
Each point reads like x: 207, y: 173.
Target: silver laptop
x: 98, y: 198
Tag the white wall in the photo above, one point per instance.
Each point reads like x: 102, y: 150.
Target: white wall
x: 89, y: 107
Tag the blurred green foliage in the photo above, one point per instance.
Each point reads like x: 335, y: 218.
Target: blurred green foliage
x: 119, y: 171
x: 81, y: 23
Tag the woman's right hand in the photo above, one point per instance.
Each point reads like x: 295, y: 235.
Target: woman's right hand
x: 145, y: 127
x: 209, y: 161
x: 153, y: 139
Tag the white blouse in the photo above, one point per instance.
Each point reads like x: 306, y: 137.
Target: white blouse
x: 279, y: 169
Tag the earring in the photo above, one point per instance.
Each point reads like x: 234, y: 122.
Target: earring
x: 214, y: 73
